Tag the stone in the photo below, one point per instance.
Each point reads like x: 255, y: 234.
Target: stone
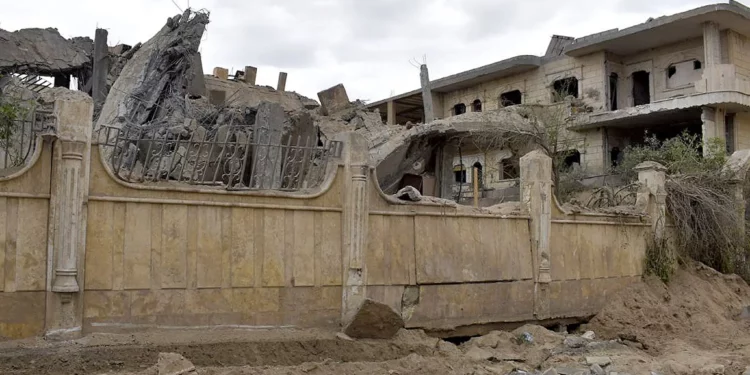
x: 745, y: 313
x: 747, y: 371
x: 575, y: 342
x: 374, y: 320
x: 334, y: 99
x: 448, y: 348
x: 714, y: 369
x: 601, y: 361
x: 597, y: 370
x: 551, y: 371
x: 479, y: 354
x: 589, y: 335
x: 570, y: 370
x: 173, y: 364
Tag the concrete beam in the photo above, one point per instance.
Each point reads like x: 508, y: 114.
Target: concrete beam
x: 424, y: 77
x: 101, y: 69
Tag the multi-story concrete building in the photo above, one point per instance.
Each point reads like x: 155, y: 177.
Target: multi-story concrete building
x: 688, y: 71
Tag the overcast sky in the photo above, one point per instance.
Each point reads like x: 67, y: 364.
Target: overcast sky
x: 364, y: 44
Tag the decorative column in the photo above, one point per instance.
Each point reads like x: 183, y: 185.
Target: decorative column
x: 536, y: 195
x: 355, y: 219
x: 67, y: 228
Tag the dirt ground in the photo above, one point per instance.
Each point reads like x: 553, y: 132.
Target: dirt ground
x: 691, y: 326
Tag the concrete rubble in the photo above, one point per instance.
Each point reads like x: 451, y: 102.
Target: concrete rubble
x: 43, y: 51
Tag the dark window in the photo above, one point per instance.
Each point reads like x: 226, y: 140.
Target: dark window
x: 729, y: 132
x: 697, y: 65
x: 613, y: 91
x: 641, y: 88
x: 477, y: 106
x: 571, y: 157
x: 615, y: 156
x: 459, y: 109
x: 562, y: 88
x: 672, y: 70
x: 459, y: 174
x: 510, y: 98
x: 509, y: 169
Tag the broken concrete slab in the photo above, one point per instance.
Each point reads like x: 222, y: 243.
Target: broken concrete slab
x: 43, y: 51
x: 374, y: 320
x: 409, y: 193
x: 197, y: 85
x: 334, y: 99
x: 152, y: 85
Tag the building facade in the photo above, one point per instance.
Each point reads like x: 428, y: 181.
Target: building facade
x: 688, y: 71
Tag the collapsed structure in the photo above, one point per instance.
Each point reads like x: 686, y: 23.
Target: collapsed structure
x: 685, y: 72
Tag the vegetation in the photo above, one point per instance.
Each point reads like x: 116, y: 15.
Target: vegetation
x: 706, y: 225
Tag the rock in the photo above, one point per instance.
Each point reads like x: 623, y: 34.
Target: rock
x: 173, y: 364
x: 448, y: 348
x: 597, y: 370
x: 575, y: 342
x: 745, y: 313
x: 551, y: 371
x: 747, y: 371
x: 374, y: 320
x: 589, y: 335
x: 409, y: 193
x: 570, y: 370
x: 628, y: 337
x: 714, y: 369
x: 601, y: 361
x: 343, y: 336
x: 479, y: 354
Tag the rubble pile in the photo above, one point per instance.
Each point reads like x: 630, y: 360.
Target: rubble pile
x: 44, y: 51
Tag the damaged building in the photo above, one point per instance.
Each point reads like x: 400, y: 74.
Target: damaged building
x: 684, y: 72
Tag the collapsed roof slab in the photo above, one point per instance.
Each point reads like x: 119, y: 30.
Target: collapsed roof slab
x: 43, y: 51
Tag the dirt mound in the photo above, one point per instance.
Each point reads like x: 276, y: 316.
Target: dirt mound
x: 699, y: 307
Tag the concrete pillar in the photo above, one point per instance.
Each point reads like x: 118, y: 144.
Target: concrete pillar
x: 536, y: 195
x: 711, y: 44
x: 713, y: 129
x: 354, y: 223
x: 736, y: 169
x: 251, y: 74
x: 424, y: 77
x: 391, y: 112
x: 652, y: 196
x: 101, y: 69
x: 269, y: 125
x: 67, y: 223
x: 281, y: 85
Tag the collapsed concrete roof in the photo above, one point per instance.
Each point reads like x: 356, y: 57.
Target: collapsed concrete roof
x: 43, y: 51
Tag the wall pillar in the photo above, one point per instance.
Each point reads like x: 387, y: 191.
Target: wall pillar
x: 354, y: 223
x: 67, y: 224
x: 711, y: 44
x: 391, y: 113
x: 652, y: 196
x: 536, y: 195
x: 424, y: 76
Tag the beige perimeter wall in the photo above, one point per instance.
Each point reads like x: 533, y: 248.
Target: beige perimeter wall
x: 162, y: 256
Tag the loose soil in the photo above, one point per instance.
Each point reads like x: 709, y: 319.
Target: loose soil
x: 691, y: 326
